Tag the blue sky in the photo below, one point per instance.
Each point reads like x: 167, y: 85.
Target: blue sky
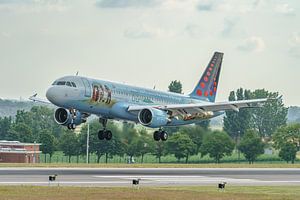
x: 150, y: 42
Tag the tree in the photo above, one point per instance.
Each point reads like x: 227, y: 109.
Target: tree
x: 5, y: 125
x: 159, y: 150
x: 271, y: 116
x: 140, y: 145
x: 235, y: 123
x: 204, y: 124
x: 288, y: 152
x: 102, y: 147
x: 287, y: 139
x: 251, y: 146
x: 265, y: 119
x: 21, y: 132
x: 287, y: 134
x: 48, y: 143
x: 175, y: 86
x: 181, y: 146
x: 217, y: 145
x: 145, y: 144
x: 69, y: 144
x: 196, y: 133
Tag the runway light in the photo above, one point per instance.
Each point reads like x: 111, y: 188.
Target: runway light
x: 222, y: 185
x: 136, y: 181
x: 52, y: 177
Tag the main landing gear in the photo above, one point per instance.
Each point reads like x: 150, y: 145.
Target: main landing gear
x: 160, y: 135
x: 104, y: 134
x: 71, y: 126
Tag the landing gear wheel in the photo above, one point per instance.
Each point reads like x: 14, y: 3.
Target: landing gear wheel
x: 101, y: 135
x: 163, y: 135
x: 156, y: 135
x: 73, y: 126
x: 108, y: 135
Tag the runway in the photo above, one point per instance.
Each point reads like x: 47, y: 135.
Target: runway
x: 103, y: 177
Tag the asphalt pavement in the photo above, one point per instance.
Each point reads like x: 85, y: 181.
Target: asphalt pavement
x: 107, y: 177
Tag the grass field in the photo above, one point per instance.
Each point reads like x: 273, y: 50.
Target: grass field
x: 59, y: 157
x: 203, y: 193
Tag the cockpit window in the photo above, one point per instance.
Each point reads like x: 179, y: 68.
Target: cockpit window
x: 73, y: 84
x: 61, y: 83
x: 67, y: 83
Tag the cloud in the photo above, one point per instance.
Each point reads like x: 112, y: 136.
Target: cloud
x: 284, y: 9
x: 126, y: 3
x: 229, y: 25
x: 28, y: 6
x: 5, y: 34
x: 147, y: 32
x: 231, y: 6
x: 207, y: 5
x: 294, y: 43
x: 194, y: 31
x: 252, y: 44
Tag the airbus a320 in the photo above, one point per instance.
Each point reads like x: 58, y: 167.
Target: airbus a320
x: 79, y: 97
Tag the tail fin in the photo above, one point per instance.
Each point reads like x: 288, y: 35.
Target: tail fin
x: 206, y: 89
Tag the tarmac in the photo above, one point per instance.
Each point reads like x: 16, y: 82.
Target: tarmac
x: 120, y: 177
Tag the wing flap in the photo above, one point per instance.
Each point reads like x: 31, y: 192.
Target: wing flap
x: 205, y: 107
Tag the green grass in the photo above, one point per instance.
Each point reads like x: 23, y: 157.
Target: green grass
x: 164, y: 193
x: 59, y: 157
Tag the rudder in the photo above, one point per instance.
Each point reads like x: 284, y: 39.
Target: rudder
x: 207, y: 87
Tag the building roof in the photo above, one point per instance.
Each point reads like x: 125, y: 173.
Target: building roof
x: 5, y: 142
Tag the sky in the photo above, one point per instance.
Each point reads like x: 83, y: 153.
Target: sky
x: 149, y: 43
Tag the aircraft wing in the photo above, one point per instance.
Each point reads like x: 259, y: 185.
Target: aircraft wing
x: 183, y: 109
x: 36, y: 99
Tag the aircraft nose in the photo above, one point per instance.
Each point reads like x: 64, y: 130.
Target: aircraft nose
x: 51, y: 94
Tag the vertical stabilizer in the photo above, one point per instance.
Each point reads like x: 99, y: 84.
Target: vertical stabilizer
x: 207, y: 87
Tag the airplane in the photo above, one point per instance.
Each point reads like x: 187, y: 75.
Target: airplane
x: 79, y: 97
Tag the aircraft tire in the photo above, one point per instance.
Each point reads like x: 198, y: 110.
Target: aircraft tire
x: 164, y: 135
x: 73, y: 126
x: 101, y: 135
x: 108, y: 135
x: 156, y: 135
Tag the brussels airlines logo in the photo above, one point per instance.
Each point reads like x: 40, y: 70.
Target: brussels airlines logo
x: 208, y: 83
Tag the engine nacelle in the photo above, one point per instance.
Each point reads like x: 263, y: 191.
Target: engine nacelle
x: 153, y: 118
x: 64, y: 117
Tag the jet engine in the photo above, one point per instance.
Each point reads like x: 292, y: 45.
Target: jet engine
x: 153, y: 118
x: 64, y: 117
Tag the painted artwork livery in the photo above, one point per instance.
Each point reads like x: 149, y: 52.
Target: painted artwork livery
x: 79, y: 97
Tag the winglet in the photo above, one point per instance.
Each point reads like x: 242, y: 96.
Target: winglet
x: 34, y: 98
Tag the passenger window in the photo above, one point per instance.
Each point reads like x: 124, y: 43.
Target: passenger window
x: 69, y: 84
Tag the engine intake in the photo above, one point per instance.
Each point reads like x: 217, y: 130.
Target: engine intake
x: 153, y: 118
x: 63, y: 117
